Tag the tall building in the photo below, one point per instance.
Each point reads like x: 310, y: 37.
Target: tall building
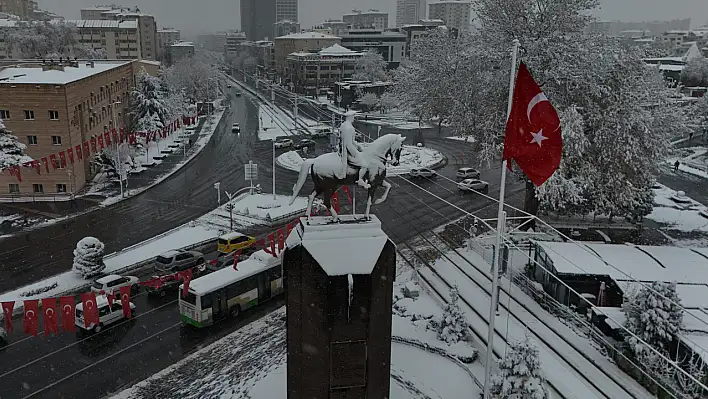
x: 286, y: 10
x: 181, y: 50
x: 20, y: 8
x: 391, y: 45
x: 146, y: 24
x: 455, y: 13
x: 232, y: 43
x: 165, y: 38
x: 119, y: 39
x: 285, y: 27
x: 410, y: 11
x: 294, y: 42
x: 372, y: 19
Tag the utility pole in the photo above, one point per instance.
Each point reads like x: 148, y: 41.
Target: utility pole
x: 295, y: 113
x: 119, y: 168
x: 273, y: 169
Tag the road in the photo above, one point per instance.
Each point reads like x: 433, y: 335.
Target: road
x: 67, y: 366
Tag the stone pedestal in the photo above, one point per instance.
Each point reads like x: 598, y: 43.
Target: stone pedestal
x: 339, y: 283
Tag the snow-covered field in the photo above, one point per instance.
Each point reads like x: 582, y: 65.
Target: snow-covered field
x: 273, y: 123
x: 255, y: 209
x: 467, y: 139
x: 251, y: 363
x: 685, y: 216
x: 694, y: 161
x: 398, y: 124
x: 411, y: 157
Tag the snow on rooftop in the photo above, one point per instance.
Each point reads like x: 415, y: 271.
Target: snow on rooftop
x: 231, y: 236
x: 337, y: 50
x: 308, y: 35
x: 56, y: 77
x: 8, y: 23
x: 572, y: 259
x: 350, y: 247
x: 258, y: 262
x: 99, y: 24
x: 183, y: 44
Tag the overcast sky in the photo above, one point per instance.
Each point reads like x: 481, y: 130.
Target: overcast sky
x: 194, y: 16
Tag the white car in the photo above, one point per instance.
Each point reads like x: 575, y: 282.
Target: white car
x: 467, y: 173
x: 473, y: 185
x: 423, y: 172
x: 107, y: 315
x: 235, y: 128
x: 113, y: 282
x: 283, y: 143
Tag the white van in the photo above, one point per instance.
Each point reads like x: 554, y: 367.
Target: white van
x: 106, y: 315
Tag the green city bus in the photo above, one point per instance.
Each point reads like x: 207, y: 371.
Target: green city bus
x: 228, y: 292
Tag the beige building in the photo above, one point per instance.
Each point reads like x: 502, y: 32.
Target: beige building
x: 146, y: 25
x: 165, y: 38
x: 53, y: 107
x: 456, y: 14
x: 315, y: 72
x: 180, y: 51
x: 119, y: 39
x: 232, y: 43
x: 298, y: 42
x: 366, y: 19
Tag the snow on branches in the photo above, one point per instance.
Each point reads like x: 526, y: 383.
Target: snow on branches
x: 655, y: 315
x: 196, y: 79
x: 41, y: 39
x: 88, y: 257
x: 149, y: 105
x: 453, y: 325
x: 12, y: 152
x: 519, y: 374
x: 371, y: 66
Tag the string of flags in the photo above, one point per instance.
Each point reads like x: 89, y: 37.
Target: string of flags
x: 97, y: 143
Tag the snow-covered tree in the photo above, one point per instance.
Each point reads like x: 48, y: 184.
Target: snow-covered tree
x: 388, y: 101
x: 12, y: 152
x: 47, y: 40
x: 149, y: 103
x: 197, y: 80
x: 370, y: 100
x: 88, y: 257
x: 453, y: 325
x: 371, y: 66
x: 695, y: 73
x: 520, y: 375
x: 654, y: 314
x: 249, y: 65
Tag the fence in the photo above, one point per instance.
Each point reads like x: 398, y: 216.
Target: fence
x: 36, y: 197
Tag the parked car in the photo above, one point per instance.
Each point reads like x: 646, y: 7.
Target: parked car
x: 473, y: 185
x: 107, y: 315
x: 238, y: 94
x: 304, y: 143
x: 228, y: 86
x: 235, y: 128
x: 423, y: 172
x: 113, y: 282
x: 321, y: 132
x: 226, y: 261
x: 179, y: 259
x: 467, y: 173
x: 283, y: 143
x: 234, y: 241
x: 169, y: 281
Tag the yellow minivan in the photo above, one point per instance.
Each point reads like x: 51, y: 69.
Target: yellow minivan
x: 233, y: 242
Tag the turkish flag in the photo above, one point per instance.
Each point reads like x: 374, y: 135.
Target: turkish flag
x: 122, y: 135
x: 87, y: 149
x: 90, y: 309
x: 107, y: 138
x: 7, y: 314
x: 271, y: 242
x: 15, y: 171
x: 53, y: 160
x: 67, y: 305
x: 237, y: 254
x: 335, y: 201
x: 62, y: 159
x: 290, y: 227
x: 31, y: 322
x: 37, y: 166
x: 110, y: 297
x: 281, y: 239
x: 45, y: 162
x: 51, y: 316
x: 125, y: 301
x: 533, y: 132
x: 100, y: 142
x: 93, y: 145
x: 70, y: 153
x: 187, y: 277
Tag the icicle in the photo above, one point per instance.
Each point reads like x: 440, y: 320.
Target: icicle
x: 350, y: 278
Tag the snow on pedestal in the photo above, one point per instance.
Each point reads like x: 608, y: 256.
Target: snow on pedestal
x: 88, y: 257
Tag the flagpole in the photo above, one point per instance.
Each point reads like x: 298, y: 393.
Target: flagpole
x: 500, y: 226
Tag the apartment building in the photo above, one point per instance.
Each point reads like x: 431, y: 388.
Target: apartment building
x: 119, y: 39
x: 410, y: 11
x: 305, y: 41
x: 457, y: 14
x: 146, y: 25
x: 391, y: 45
x: 313, y: 72
x: 285, y: 27
x: 232, y: 42
x: 286, y: 10
x: 181, y: 50
x: 55, y: 106
x: 366, y: 19
x: 165, y: 38
x: 20, y: 8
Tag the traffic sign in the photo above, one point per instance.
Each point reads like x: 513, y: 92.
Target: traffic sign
x: 251, y: 171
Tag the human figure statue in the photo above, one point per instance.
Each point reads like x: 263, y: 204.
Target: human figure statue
x: 352, y: 151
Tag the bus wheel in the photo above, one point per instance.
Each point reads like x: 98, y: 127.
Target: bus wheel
x: 98, y: 328
x: 235, y: 311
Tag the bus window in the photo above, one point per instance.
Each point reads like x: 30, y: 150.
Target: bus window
x: 206, y: 301
x: 250, y: 283
x: 191, y: 298
x: 235, y: 289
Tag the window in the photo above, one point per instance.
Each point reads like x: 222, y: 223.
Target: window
x: 38, y: 188
x: 183, y: 256
x: 104, y: 311
x: 118, y: 281
x: 206, y: 301
x: 61, y: 188
x: 54, y: 115
x: 4, y: 114
x: 32, y: 140
x: 14, y: 188
x: 56, y: 140
x: 29, y: 115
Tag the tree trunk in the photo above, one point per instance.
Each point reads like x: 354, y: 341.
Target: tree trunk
x: 531, y: 203
x: 440, y: 121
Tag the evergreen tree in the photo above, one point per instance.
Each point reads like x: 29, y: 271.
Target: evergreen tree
x: 520, y: 375
x: 11, y: 150
x: 148, y: 102
x: 655, y: 315
x: 453, y: 326
x: 88, y: 257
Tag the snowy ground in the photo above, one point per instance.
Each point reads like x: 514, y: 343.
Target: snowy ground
x: 273, y: 123
x: 694, y: 161
x: 250, y: 363
x: 255, y: 209
x: 686, y: 216
x: 395, y: 123
x: 411, y: 157
x: 466, y: 139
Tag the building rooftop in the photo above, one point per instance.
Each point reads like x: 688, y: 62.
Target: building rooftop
x: 337, y: 49
x: 127, y: 13
x: 56, y: 77
x: 370, y: 12
x: 183, y: 44
x: 97, y: 8
x: 8, y: 23
x: 363, y: 33
x: 308, y: 35
x: 100, y: 24
x: 168, y: 30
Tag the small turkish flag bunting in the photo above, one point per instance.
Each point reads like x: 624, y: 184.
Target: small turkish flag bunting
x: 7, y: 314
x: 281, y: 239
x: 237, y: 254
x: 187, y: 277
x: 533, y: 132
x: 125, y: 302
x: 110, y: 297
x: 90, y: 309
x: 70, y: 153
x: 67, y: 305
x: 31, y: 321
x: 51, y: 316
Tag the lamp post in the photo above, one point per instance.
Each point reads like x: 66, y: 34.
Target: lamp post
x: 119, y: 167
x: 217, y: 186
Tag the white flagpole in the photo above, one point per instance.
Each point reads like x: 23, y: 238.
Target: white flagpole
x: 500, y: 226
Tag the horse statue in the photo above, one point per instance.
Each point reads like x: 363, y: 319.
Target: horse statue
x: 324, y: 171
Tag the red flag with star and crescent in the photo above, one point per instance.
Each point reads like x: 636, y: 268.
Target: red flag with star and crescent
x: 7, y: 314
x: 31, y: 321
x: 67, y: 305
x: 533, y: 132
x: 90, y: 309
x: 125, y: 301
x: 50, y: 317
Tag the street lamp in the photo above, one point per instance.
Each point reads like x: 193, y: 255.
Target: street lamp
x: 217, y: 186
x: 119, y: 167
